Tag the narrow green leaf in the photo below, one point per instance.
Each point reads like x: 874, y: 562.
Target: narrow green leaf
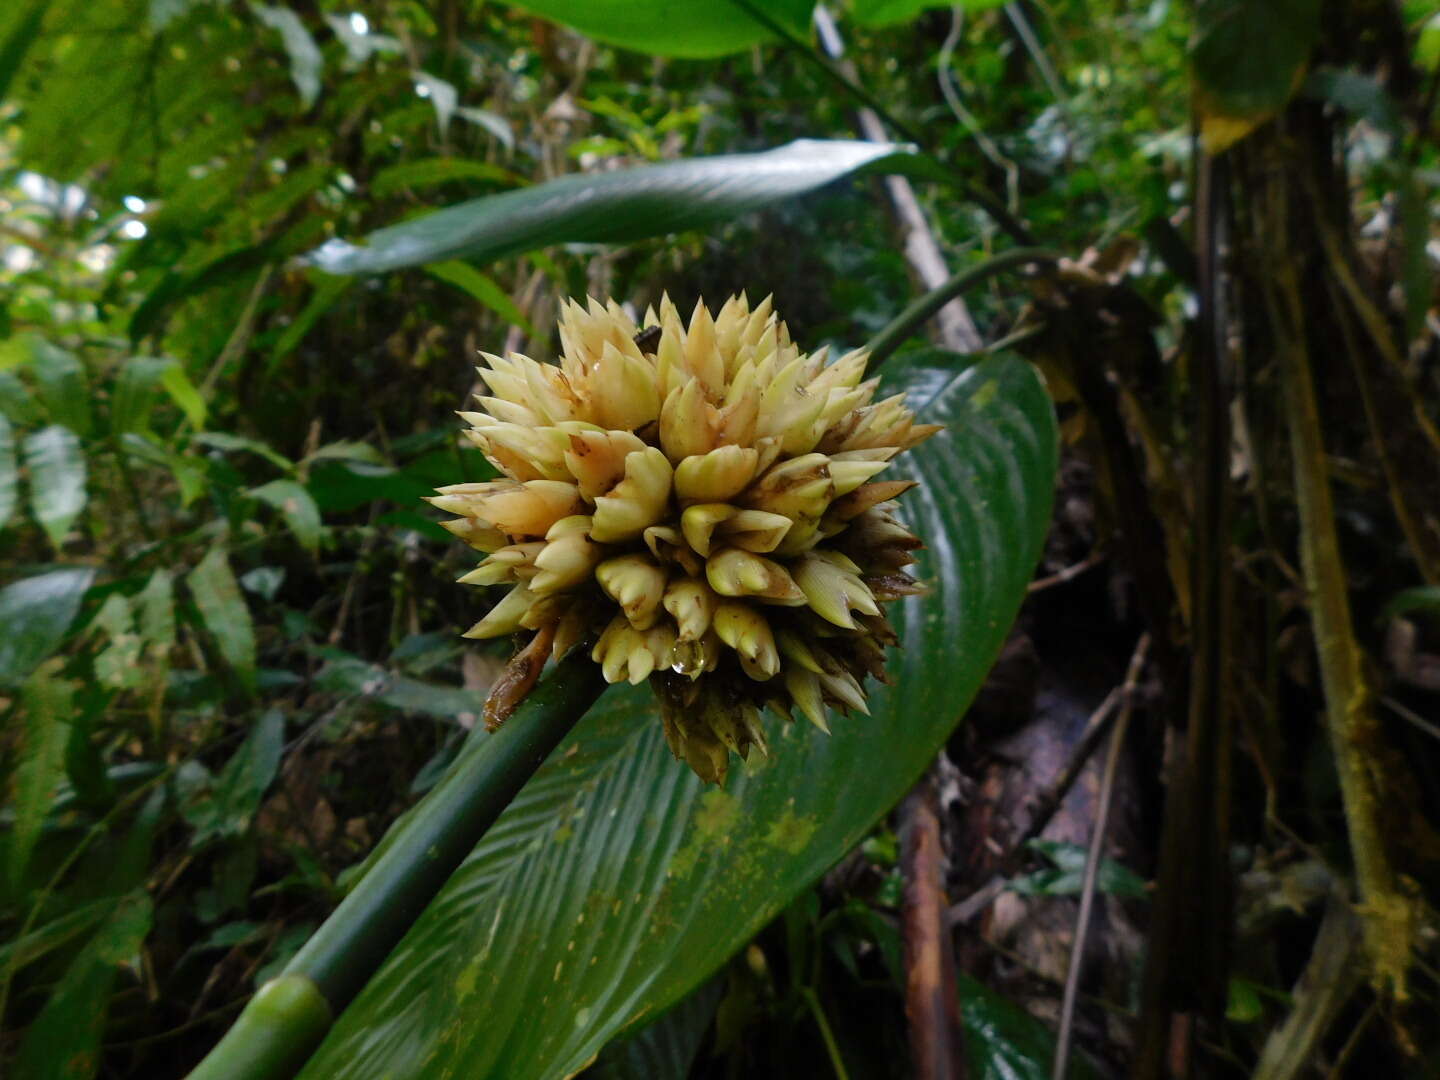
x: 241, y: 784
x: 615, y: 883
x: 347, y: 450
x: 1417, y: 598
x: 217, y: 595
x: 9, y: 471
x: 492, y: 122
x: 63, y: 1043
x: 57, y: 479
x: 300, y: 47
x: 133, y: 397
x: 1067, y: 874
x: 45, y: 939
x: 688, y: 28
x: 414, y: 175
x: 628, y: 204
x: 466, y: 278
x: 891, y: 12
x: 442, y: 96
x: 296, y: 506
x: 60, y: 384
x: 35, y: 613
x: 223, y: 440
x: 182, y: 391
x: 157, y: 610
x: 46, y: 701
x: 328, y: 291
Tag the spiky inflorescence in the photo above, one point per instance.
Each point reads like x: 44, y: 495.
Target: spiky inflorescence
x: 701, y: 500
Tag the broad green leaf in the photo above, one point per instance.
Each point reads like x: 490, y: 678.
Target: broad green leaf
x: 890, y: 12
x: 1004, y: 1042
x: 237, y: 791
x: 9, y: 471
x: 16, y: 402
x: 217, y: 595
x: 688, y: 28
x: 1249, y: 60
x: 628, y: 204
x: 182, y: 391
x: 616, y: 883
x: 300, y: 47
x: 466, y: 278
x: 133, y: 398
x: 56, y: 466
x: 64, y: 1041
x: 157, y: 610
x: 35, y: 613
x: 60, y: 384
x: 47, y: 702
x: 118, y: 664
x: 1067, y: 876
x: 296, y: 506
x: 432, y: 171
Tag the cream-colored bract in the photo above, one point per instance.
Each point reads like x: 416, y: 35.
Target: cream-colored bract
x: 702, y: 506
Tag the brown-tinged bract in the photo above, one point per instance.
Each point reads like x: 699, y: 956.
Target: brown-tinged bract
x: 701, y: 508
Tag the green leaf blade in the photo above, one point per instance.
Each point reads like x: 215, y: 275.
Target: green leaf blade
x: 694, y: 29
x: 9, y: 472
x: 35, y: 614
x: 57, y: 479
x: 217, y: 595
x: 616, y: 883
x: 628, y: 204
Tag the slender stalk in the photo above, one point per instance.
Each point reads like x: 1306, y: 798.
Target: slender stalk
x: 1066, y: 1036
x: 906, y: 323
x: 1388, y: 913
x: 288, y: 1017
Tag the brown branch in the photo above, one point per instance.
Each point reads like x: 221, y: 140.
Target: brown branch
x: 932, y: 1003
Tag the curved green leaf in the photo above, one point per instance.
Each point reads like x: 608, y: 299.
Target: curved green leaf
x: 688, y: 28
x: 300, y: 47
x: 57, y: 479
x: 35, y: 613
x: 607, y: 208
x: 9, y: 471
x: 298, y: 508
x: 217, y: 595
x: 890, y: 12
x: 616, y: 882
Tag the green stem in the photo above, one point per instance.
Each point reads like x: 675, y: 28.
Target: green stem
x: 909, y: 320
x: 832, y: 1048
x: 279, y: 1028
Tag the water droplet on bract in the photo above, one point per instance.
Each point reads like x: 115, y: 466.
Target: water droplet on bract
x: 688, y: 658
